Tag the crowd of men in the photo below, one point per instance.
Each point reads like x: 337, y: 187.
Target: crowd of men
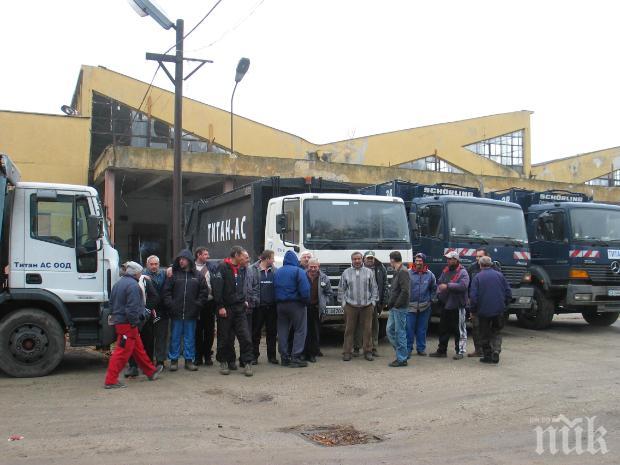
x: 157, y: 312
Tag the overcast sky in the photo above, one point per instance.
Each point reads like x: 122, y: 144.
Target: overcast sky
x: 328, y: 70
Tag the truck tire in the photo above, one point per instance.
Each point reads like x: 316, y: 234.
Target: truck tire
x: 541, y: 313
x: 32, y: 343
x: 600, y: 318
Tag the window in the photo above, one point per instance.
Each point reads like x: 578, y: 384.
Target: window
x: 430, y: 221
x: 86, y: 249
x: 550, y: 226
x: 506, y: 150
x: 608, y: 180
x: 431, y: 163
x: 51, y: 220
x: 291, y: 210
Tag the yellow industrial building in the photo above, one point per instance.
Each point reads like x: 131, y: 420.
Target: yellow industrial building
x: 127, y: 154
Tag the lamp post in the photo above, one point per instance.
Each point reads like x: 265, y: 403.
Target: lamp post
x: 147, y: 8
x: 242, y: 68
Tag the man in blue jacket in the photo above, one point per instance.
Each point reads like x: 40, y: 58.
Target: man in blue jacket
x: 489, y: 295
x: 292, y: 292
x: 423, y: 289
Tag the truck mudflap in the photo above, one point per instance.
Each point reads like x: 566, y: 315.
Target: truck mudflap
x: 522, y: 298
x: 604, y: 298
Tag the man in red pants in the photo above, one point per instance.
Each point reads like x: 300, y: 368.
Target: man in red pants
x: 127, y: 301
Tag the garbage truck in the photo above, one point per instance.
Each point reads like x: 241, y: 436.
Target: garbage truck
x: 448, y: 217
x: 302, y: 214
x: 57, y: 268
x: 575, y: 247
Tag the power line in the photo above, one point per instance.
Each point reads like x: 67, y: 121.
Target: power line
x: 196, y: 26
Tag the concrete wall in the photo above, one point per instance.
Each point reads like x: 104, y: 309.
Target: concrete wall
x: 47, y: 148
x: 579, y: 168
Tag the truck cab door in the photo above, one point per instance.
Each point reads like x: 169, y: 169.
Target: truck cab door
x: 61, y: 256
x: 551, y: 248
x: 431, y: 237
x: 291, y: 232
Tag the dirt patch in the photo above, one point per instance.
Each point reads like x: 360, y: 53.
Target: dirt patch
x: 334, y: 435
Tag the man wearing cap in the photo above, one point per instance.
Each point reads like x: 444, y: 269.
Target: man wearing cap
x: 127, y: 302
x: 423, y: 290
x: 452, y: 294
x: 373, y: 263
x: 358, y: 294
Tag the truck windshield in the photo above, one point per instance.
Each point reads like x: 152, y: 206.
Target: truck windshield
x: 595, y: 224
x: 486, y: 222
x: 355, y: 222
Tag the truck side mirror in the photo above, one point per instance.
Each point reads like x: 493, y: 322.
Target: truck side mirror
x: 281, y: 223
x: 94, y: 227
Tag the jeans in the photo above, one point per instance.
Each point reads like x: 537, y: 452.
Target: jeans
x: 397, y: 332
x: 292, y: 315
x: 417, y: 324
x: 187, y: 330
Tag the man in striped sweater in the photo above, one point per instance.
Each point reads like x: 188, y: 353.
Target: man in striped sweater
x: 358, y: 293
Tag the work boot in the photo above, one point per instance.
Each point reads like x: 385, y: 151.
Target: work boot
x: 438, y: 354
x: 174, y: 365
x: 368, y: 356
x: 232, y: 366
x: 312, y: 359
x: 356, y: 352
x: 131, y: 372
x: 273, y: 361
x: 421, y: 353
x: 209, y: 362
x: 224, y: 370
x: 486, y: 360
x: 114, y: 386
x: 346, y: 357
x: 320, y: 354
x: 248, y: 370
x: 458, y: 357
x: 190, y: 365
x: 156, y: 373
x: 495, y: 357
x: 298, y: 363
x: 396, y: 363
x: 198, y: 362
x: 286, y: 361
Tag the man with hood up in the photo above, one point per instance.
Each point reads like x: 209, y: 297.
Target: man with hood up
x: 292, y: 291
x: 452, y: 293
x: 185, y: 293
x: 423, y: 290
x: 229, y: 294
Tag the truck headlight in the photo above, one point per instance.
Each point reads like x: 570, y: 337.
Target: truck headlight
x: 583, y: 297
x: 524, y: 300
x: 527, y: 277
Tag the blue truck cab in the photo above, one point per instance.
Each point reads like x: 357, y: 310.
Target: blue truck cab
x: 575, y: 247
x: 447, y: 217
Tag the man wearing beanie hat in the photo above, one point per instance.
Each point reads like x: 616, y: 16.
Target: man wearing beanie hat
x: 127, y: 301
x: 452, y: 294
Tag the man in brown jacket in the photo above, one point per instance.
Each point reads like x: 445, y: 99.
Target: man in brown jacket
x: 399, y: 307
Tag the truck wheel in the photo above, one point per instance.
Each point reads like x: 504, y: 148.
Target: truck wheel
x: 382, y: 328
x: 32, y: 343
x: 600, y: 318
x: 540, y: 315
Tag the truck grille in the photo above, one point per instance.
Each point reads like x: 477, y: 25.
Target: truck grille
x: 513, y: 274
x: 601, y: 274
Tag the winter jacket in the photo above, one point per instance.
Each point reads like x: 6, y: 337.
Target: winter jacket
x: 185, y: 292
x: 253, y: 282
x: 399, y: 289
x: 423, y: 288
x: 474, y: 269
x: 157, y: 279
x: 127, y: 302
x: 325, y: 291
x: 382, y: 281
x: 490, y: 293
x: 455, y: 296
x: 229, y: 285
x: 358, y: 287
x: 290, y: 281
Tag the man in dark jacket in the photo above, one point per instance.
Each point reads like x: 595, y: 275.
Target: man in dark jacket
x: 161, y: 327
x: 205, y: 326
x: 127, y: 302
x: 452, y: 293
x: 229, y: 294
x: 320, y: 292
x: 489, y: 295
x: 185, y: 293
x: 262, y: 301
x: 399, y: 307
x: 292, y: 291
x: 373, y: 263
x: 473, y: 270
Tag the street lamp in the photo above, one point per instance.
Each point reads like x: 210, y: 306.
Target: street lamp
x: 242, y: 68
x: 148, y: 8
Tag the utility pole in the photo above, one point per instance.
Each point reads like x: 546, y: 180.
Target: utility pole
x: 177, y: 173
